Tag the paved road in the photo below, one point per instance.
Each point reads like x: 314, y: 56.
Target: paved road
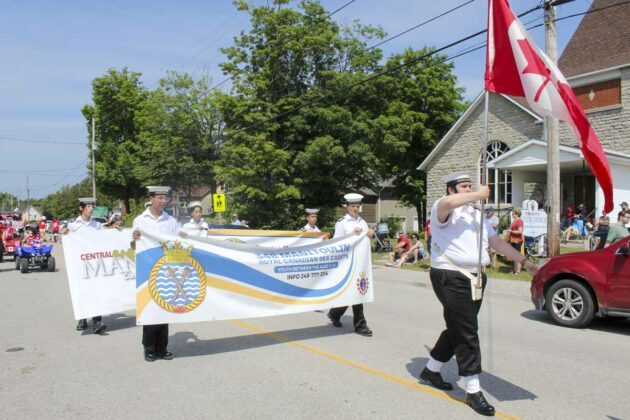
x: 299, y: 366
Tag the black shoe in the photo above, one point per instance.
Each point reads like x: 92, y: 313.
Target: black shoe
x: 479, y: 403
x: 364, y: 331
x: 336, y: 323
x: 82, y: 324
x: 167, y: 355
x: 150, y: 356
x: 435, y: 379
x: 99, y: 327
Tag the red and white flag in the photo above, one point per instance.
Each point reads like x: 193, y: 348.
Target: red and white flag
x: 516, y: 66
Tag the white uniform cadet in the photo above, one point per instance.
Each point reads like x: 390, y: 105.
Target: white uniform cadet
x: 309, y: 215
x: 455, y: 247
x: 345, y: 226
x: 81, y: 225
x: 196, y: 228
x: 155, y: 337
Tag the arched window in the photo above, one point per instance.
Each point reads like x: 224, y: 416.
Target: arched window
x: 499, y: 180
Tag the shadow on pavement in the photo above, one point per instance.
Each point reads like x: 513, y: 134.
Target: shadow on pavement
x: 499, y: 388
x: 187, y: 344
x: 610, y: 325
x: 120, y: 321
x: 114, y: 322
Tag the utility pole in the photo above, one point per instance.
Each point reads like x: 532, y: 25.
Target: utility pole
x: 93, y: 159
x: 553, y: 145
x: 28, y: 201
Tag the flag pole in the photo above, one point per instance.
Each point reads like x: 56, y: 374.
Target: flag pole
x: 477, y: 294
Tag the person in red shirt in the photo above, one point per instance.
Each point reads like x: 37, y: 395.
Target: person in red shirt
x: 42, y: 228
x: 56, y: 227
x: 568, y: 216
x: 516, y: 236
x: 402, y: 246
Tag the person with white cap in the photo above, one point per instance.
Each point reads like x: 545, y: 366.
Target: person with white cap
x: 311, y: 221
x: 455, y: 226
x: 196, y: 226
x: 85, y: 223
x: 155, y: 337
x: 350, y: 223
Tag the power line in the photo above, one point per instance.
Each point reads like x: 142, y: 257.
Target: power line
x: 421, y: 24
x: 70, y: 172
x: 39, y: 141
x: 585, y: 13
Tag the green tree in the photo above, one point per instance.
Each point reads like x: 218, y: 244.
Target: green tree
x: 285, y: 62
x: 180, y: 132
x: 117, y: 97
x: 8, y: 201
x: 63, y: 204
x: 423, y: 102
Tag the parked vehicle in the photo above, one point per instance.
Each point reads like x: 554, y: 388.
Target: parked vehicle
x: 33, y: 253
x: 573, y: 288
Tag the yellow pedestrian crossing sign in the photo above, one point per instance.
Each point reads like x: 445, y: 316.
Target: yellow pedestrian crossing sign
x: 218, y: 201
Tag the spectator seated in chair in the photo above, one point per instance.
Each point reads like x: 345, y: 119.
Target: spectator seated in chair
x: 576, y: 229
x: 416, y: 251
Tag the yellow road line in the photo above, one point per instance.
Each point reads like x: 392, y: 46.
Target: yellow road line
x: 344, y: 361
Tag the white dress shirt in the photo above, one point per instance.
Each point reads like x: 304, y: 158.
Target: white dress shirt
x: 196, y: 229
x: 164, y: 222
x: 79, y: 223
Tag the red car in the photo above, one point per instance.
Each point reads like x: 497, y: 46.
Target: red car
x: 573, y: 288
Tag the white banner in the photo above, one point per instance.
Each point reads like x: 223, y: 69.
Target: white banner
x: 101, y: 271
x: 534, y: 223
x: 204, y: 279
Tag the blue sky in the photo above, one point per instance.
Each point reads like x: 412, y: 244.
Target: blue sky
x: 52, y: 50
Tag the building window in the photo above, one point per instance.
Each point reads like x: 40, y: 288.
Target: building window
x: 499, y: 181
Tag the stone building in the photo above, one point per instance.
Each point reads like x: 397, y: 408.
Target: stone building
x: 596, y: 62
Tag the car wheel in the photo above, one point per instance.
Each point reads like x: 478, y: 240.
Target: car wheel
x: 24, y: 265
x: 17, y: 263
x: 570, y: 304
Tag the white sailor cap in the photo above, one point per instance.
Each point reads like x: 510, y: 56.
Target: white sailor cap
x: 87, y: 200
x: 457, y: 177
x: 158, y: 190
x: 194, y: 204
x: 147, y: 204
x: 312, y: 211
x: 353, y: 198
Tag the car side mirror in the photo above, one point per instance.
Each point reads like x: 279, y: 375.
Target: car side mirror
x: 625, y: 248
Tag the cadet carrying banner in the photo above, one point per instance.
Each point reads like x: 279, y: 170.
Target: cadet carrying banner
x: 203, y: 279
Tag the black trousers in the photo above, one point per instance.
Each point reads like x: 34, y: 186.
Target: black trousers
x: 460, y: 313
x: 357, y: 311
x: 155, y: 337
